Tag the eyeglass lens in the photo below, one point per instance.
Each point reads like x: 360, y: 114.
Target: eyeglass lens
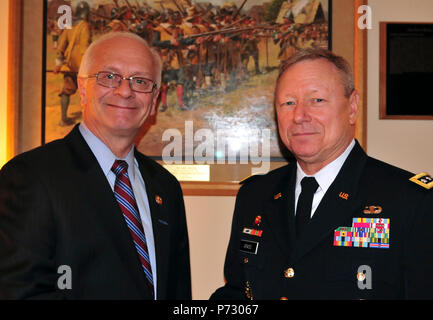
x: 112, y: 80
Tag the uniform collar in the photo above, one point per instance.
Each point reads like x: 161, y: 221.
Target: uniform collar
x: 327, y: 174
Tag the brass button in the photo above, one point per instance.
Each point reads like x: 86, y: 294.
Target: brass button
x: 245, y: 260
x: 289, y: 273
x: 360, y: 276
x: 283, y: 298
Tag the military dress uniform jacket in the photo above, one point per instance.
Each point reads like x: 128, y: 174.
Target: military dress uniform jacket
x: 58, y: 209
x: 265, y: 260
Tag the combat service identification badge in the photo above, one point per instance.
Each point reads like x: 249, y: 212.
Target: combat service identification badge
x: 423, y: 179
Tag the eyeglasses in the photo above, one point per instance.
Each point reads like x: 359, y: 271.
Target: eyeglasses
x: 113, y: 80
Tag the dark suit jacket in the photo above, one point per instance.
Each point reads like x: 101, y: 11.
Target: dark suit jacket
x: 57, y: 208
x: 320, y: 270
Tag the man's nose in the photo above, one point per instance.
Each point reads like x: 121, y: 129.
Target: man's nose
x: 301, y: 112
x: 124, y: 89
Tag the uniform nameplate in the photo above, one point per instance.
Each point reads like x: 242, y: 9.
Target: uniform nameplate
x: 249, y: 246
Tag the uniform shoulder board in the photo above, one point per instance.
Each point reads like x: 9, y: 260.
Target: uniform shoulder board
x: 249, y: 178
x: 423, y: 179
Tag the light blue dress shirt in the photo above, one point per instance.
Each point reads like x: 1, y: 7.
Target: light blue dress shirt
x: 106, y: 160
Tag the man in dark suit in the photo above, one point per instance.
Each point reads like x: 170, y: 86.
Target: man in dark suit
x: 88, y: 216
x: 334, y: 223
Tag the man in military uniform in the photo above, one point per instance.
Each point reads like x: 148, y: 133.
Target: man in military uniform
x: 70, y: 49
x: 334, y: 223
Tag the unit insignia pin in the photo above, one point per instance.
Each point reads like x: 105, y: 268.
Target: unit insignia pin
x: 257, y: 220
x: 158, y: 199
x: 277, y: 196
x: 344, y: 195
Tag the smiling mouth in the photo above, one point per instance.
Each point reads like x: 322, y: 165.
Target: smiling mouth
x: 298, y: 134
x: 119, y: 107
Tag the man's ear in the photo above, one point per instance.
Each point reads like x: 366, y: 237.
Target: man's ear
x: 155, y: 101
x: 82, y: 90
x: 353, y: 107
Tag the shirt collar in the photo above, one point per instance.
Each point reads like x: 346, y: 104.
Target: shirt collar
x: 103, y: 154
x: 327, y: 174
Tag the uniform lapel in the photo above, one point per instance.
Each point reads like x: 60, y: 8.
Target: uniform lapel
x: 101, y: 208
x: 278, y: 209
x: 337, y: 205
x: 160, y: 223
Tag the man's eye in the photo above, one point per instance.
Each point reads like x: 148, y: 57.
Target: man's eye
x: 288, y: 103
x: 318, y: 100
x: 109, y: 76
x: 139, y: 81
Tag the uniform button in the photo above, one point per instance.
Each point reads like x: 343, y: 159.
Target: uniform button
x: 283, y: 298
x: 289, y: 273
x: 360, y: 276
x: 245, y: 260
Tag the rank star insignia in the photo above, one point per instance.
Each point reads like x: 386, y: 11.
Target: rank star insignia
x: 423, y: 179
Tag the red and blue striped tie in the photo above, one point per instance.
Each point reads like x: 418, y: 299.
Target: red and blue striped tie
x: 125, y: 197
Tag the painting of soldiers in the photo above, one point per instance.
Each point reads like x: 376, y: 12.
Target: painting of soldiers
x: 220, y: 59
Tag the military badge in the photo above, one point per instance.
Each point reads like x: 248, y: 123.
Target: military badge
x: 253, y: 232
x: 423, y: 179
x: 372, y: 209
x: 258, y: 220
x: 364, y: 233
x: 344, y: 195
x: 277, y: 196
x: 158, y: 199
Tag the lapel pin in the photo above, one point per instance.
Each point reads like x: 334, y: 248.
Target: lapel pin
x: 257, y: 220
x: 158, y: 199
x: 277, y: 196
x: 343, y: 195
x: 372, y: 209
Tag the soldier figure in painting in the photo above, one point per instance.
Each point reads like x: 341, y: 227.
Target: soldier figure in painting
x: 70, y: 49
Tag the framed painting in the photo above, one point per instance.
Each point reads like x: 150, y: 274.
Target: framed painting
x: 220, y: 62
x: 406, y: 70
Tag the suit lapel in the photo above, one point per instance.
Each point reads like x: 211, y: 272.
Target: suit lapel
x: 337, y: 205
x: 160, y: 223
x: 102, y: 209
x: 278, y: 209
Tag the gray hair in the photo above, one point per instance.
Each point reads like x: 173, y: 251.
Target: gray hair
x: 89, y: 57
x: 339, y: 62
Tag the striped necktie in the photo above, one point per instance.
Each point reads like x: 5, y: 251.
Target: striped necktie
x: 125, y: 197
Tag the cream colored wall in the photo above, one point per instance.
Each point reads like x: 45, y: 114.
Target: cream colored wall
x: 405, y: 143
x: 209, y: 222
